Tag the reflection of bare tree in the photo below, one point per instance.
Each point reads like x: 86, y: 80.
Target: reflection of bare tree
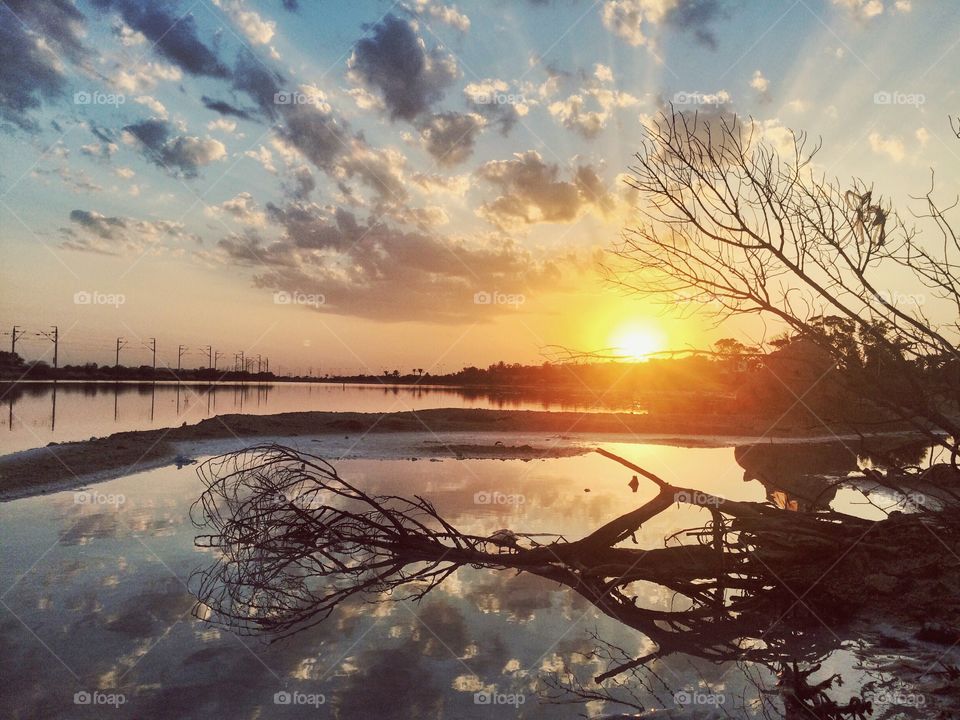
x: 293, y: 540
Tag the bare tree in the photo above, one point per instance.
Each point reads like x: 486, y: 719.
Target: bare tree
x: 736, y: 227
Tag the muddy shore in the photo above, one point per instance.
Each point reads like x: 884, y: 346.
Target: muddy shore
x: 61, y: 465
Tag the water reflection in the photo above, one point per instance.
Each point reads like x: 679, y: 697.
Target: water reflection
x: 33, y: 417
x: 110, y: 602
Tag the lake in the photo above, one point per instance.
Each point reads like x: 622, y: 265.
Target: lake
x: 35, y: 414
x: 97, y: 606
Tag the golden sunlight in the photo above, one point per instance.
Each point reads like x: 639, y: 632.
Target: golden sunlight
x: 637, y: 342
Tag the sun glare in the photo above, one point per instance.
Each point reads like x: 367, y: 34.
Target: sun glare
x: 637, y: 343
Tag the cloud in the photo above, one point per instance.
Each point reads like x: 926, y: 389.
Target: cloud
x: 36, y: 36
x: 759, y: 83
x: 450, y: 137
x: 395, y: 62
x: 174, y: 35
x: 375, y: 270
x: 575, y: 114
x: 448, y: 14
x: 891, y: 146
x: 224, y: 108
x: 178, y: 154
x: 154, y: 105
x: 493, y: 99
x: 92, y: 231
x: 242, y: 208
x: 256, y: 29
x: 532, y: 192
x: 635, y: 20
x: 861, y: 9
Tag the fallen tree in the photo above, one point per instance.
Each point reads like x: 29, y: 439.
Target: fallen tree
x: 294, y: 540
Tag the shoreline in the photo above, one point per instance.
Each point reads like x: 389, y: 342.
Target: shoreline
x: 509, y: 434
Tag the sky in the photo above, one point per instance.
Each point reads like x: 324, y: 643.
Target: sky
x: 369, y: 185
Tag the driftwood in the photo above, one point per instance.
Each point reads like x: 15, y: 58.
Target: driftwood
x: 293, y: 540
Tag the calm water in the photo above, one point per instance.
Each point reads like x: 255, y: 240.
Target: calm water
x: 94, y: 599
x: 36, y: 414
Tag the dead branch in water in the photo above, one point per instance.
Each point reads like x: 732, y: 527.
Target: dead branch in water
x: 293, y: 540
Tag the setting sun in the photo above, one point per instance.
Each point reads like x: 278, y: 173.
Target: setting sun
x: 637, y: 342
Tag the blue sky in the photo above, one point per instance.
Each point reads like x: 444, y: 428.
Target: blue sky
x: 333, y: 183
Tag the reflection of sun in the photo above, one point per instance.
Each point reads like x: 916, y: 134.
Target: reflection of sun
x: 636, y: 343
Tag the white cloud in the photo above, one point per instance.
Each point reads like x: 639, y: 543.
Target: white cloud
x: 861, y: 9
x: 603, y: 73
x: 154, y: 105
x: 256, y: 29
x: 759, y: 83
x: 222, y: 124
x: 890, y: 146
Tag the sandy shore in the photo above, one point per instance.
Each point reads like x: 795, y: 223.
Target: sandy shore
x: 455, y: 433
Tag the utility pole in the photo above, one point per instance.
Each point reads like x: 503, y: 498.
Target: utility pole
x: 259, y: 366
x: 243, y: 362
x: 209, y: 349
x: 216, y: 356
x: 14, y: 336
x: 54, y: 337
x: 181, y: 349
x: 153, y: 348
x: 268, y: 364
x: 121, y: 343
